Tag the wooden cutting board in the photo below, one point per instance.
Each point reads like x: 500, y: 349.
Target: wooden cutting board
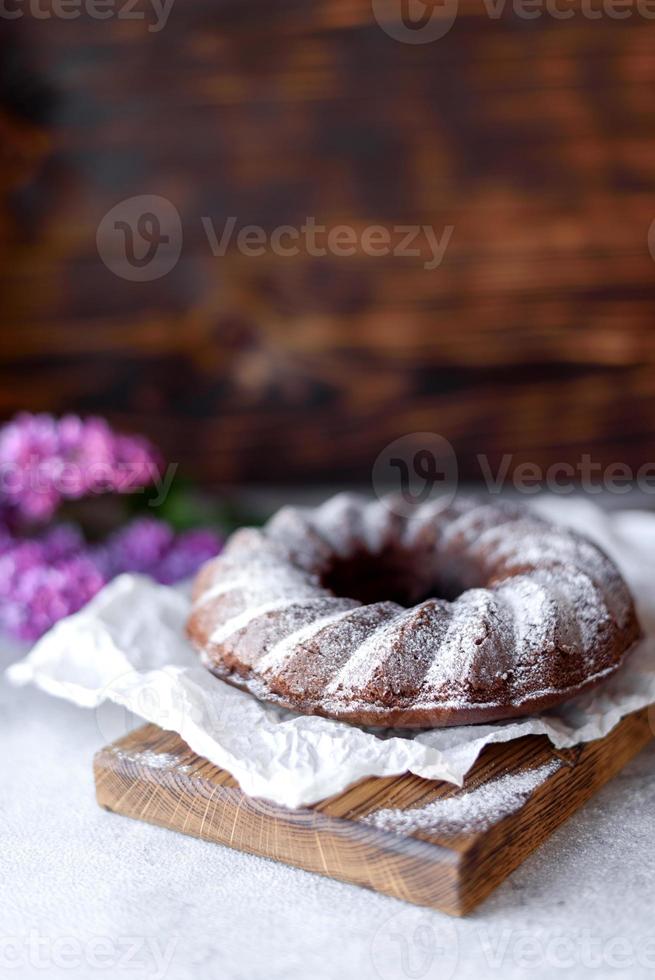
x: 449, y: 856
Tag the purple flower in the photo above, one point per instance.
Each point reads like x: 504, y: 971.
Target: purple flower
x: 41, y: 594
x: 137, y: 547
x: 189, y: 551
x: 45, y: 578
x: 44, y: 460
x: 149, y: 546
x: 61, y: 541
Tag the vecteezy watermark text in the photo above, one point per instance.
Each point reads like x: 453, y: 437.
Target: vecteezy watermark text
x: 586, y: 474
x: 422, y: 466
x: 70, y: 480
x: 109, y: 954
x: 159, y: 10
x: 140, y: 239
x: 417, y: 944
x: 565, y: 9
x: 565, y: 951
x: 317, y: 240
x: 424, y: 21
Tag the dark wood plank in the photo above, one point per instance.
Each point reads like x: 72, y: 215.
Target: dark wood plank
x: 533, y: 138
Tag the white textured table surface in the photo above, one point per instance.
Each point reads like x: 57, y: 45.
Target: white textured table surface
x: 86, y: 892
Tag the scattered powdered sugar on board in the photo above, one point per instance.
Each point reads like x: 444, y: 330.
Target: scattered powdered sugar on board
x: 151, y: 759
x: 465, y: 813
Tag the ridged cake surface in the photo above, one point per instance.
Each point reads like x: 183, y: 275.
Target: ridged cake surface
x: 434, y: 615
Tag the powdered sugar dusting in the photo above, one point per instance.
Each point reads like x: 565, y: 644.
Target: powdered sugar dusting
x: 534, y: 615
x: 590, y: 608
x: 358, y: 670
x: 236, y: 623
x: 466, y: 812
x: 537, y: 620
x: 276, y: 657
x: 340, y: 522
x: 150, y: 759
x: 269, y: 582
x: 466, y: 632
x: 262, y: 583
x: 476, y: 519
x: 378, y: 522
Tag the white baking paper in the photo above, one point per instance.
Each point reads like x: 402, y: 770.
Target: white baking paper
x: 128, y: 646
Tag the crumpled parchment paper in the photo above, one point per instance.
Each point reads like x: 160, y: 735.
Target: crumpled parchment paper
x: 128, y: 646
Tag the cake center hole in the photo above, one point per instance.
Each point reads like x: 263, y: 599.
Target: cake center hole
x: 393, y: 576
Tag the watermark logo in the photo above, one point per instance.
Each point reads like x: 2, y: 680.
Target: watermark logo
x: 134, y: 696
x: 416, y: 944
x: 423, y: 21
x: 415, y: 21
x: 158, y: 696
x: 414, y: 469
x: 140, y: 238
x: 423, y: 466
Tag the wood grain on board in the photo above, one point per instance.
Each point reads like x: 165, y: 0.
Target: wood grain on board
x: 452, y: 864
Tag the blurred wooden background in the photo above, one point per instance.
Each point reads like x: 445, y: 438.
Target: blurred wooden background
x: 535, y: 139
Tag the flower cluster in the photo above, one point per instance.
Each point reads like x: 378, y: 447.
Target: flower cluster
x: 45, y: 578
x: 151, y: 546
x: 44, y: 461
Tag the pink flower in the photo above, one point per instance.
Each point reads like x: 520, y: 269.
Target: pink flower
x: 44, y: 461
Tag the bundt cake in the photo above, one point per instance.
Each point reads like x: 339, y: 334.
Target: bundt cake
x: 440, y: 614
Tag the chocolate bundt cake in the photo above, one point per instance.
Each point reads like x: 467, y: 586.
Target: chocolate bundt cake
x: 448, y: 614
